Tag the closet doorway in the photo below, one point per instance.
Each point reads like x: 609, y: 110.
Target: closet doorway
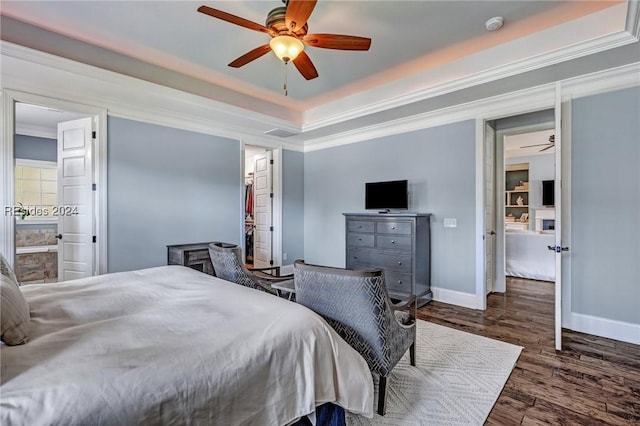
x: 259, y: 207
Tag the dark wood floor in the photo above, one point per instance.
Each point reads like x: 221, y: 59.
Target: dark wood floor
x: 592, y: 381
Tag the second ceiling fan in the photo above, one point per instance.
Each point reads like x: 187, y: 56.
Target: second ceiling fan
x: 287, y: 26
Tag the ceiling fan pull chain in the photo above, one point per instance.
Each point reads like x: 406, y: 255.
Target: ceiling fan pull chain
x: 286, y: 93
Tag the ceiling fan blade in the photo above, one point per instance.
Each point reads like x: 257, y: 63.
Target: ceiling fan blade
x: 305, y: 66
x: 298, y: 11
x: 234, y: 19
x: 549, y: 147
x: 337, y: 41
x: 250, y: 56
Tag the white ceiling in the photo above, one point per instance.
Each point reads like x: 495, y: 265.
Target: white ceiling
x: 519, y: 145
x: 408, y: 38
x: 33, y: 120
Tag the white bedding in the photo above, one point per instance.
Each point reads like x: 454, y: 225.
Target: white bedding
x: 527, y: 255
x: 171, y: 345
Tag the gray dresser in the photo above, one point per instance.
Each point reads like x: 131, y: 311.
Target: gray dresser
x: 397, y: 243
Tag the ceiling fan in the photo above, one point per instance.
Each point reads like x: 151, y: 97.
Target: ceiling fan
x: 548, y: 145
x: 287, y: 26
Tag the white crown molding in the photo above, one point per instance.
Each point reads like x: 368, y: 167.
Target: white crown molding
x: 35, y: 131
x: 633, y: 18
x: 528, y: 99
x: 600, y: 82
x: 128, y: 97
x: 603, y: 327
x: 490, y: 108
x: 334, y: 113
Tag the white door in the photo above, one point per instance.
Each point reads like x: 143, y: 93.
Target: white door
x: 75, y: 208
x: 489, y: 207
x: 263, y: 210
x: 559, y: 248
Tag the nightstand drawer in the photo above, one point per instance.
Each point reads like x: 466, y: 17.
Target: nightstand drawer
x: 359, y: 226
x: 393, y: 242
x: 400, y: 228
x: 360, y: 240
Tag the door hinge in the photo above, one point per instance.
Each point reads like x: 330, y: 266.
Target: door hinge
x: 93, y: 186
x: 271, y: 161
x: 271, y: 228
x: 93, y: 134
x: 271, y: 262
x: 94, y: 238
x: 271, y: 195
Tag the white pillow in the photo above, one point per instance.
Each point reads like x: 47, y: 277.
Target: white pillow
x: 15, y: 322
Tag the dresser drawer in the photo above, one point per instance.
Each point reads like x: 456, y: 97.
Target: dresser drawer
x: 393, y: 242
x: 359, y: 226
x: 197, y: 255
x: 360, y: 240
x: 399, y: 228
x: 398, y: 282
x: 393, y: 262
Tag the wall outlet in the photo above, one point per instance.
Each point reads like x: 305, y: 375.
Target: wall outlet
x: 450, y: 222
x: 284, y: 256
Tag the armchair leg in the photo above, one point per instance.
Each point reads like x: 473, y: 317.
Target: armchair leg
x: 382, y: 395
x: 412, y: 354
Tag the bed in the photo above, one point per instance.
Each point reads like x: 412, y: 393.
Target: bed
x: 527, y: 255
x: 171, y: 345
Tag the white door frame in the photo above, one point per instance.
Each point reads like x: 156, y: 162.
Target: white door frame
x: 7, y: 178
x: 548, y: 96
x: 276, y: 155
x: 526, y: 101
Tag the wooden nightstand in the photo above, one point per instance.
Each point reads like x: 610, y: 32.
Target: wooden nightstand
x: 194, y: 256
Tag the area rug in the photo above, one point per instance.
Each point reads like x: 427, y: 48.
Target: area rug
x: 457, y: 380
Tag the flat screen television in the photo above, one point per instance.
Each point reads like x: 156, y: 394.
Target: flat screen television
x: 386, y: 195
x: 548, y: 194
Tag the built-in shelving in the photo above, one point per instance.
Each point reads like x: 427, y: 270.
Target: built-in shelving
x: 517, y: 188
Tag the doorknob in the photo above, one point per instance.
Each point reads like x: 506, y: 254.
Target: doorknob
x: 558, y: 249
x: 59, y: 236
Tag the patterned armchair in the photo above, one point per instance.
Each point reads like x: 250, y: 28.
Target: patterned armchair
x: 356, y: 304
x: 227, y: 265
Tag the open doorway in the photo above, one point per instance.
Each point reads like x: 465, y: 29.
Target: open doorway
x: 52, y: 161
x: 523, y: 201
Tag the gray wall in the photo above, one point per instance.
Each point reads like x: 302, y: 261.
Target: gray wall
x: 34, y: 148
x: 605, y: 201
x: 292, y: 205
x: 168, y: 186
x: 439, y: 164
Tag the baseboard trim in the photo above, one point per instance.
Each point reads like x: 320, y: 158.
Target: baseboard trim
x: 458, y: 298
x: 603, y: 327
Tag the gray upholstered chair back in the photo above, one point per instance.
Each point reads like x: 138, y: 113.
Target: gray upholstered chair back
x: 356, y: 304
x: 227, y: 264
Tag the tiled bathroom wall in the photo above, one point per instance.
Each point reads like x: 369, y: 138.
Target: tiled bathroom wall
x: 36, y: 267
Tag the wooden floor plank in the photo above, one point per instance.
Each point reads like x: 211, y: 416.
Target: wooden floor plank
x: 593, y: 380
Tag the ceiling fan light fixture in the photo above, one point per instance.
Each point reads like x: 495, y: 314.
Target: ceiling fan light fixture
x: 286, y: 48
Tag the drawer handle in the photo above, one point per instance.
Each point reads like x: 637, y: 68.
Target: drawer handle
x: 355, y: 257
x: 399, y: 281
x: 393, y: 242
x: 359, y: 226
x: 393, y: 227
x: 359, y: 239
x: 399, y: 263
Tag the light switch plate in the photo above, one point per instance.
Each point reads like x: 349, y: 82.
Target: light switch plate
x: 450, y: 222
